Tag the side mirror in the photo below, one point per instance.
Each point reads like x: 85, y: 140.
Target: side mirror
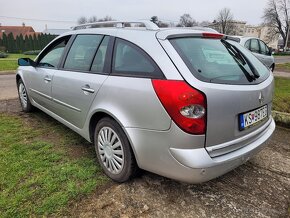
x: 270, y: 51
x: 26, y: 62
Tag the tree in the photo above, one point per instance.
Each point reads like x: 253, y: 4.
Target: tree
x: 159, y: 23
x: 204, y: 23
x: 154, y: 19
x: 276, y: 16
x: 10, y: 43
x: 107, y: 18
x: 224, y: 21
x: 162, y: 24
x: 30, y: 43
x: 17, y: 44
x: 4, y: 41
x: 186, y: 21
x: 35, y: 42
x: 26, y: 43
x: 82, y: 20
x: 92, y: 19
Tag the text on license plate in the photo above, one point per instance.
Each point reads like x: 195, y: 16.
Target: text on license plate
x: 249, y: 119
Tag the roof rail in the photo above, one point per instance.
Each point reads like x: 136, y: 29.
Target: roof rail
x: 119, y: 24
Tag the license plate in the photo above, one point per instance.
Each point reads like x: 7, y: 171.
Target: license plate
x: 246, y: 120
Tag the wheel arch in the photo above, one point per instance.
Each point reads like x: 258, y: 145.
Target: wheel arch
x: 18, y: 77
x: 97, y: 116
x: 273, y: 66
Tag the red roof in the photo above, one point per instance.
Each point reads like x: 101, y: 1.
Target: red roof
x: 17, y: 30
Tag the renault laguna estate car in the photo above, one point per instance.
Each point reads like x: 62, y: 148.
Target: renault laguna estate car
x: 183, y: 103
x: 259, y: 49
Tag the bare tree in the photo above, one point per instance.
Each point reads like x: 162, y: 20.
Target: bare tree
x: 82, y: 20
x: 162, y: 24
x: 154, y: 19
x: 276, y: 16
x: 204, y: 23
x: 186, y: 21
x: 92, y: 19
x: 224, y: 21
x: 107, y: 18
x: 159, y: 23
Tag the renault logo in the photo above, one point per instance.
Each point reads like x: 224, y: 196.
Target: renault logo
x: 261, y: 98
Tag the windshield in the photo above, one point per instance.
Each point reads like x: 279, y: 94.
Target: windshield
x: 220, y: 61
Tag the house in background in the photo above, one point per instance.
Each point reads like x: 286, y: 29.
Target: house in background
x: 264, y: 33
x: 55, y: 32
x: 240, y: 28
x: 18, y: 30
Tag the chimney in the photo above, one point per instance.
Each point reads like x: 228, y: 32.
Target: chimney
x: 45, y: 26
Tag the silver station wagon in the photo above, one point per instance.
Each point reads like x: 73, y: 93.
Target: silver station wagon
x: 187, y: 104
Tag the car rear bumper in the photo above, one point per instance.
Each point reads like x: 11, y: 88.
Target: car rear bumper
x: 155, y: 153
x: 202, y: 167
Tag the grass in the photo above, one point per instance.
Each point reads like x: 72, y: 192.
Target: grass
x: 282, y: 54
x: 283, y: 67
x: 281, y: 101
x: 10, y: 63
x: 38, y: 176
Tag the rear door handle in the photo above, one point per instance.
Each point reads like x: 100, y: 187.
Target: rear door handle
x: 87, y: 89
x: 47, y: 79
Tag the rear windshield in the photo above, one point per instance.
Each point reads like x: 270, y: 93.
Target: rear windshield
x: 220, y: 61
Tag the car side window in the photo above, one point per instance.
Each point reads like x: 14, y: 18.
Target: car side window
x: 255, y: 46
x: 130, y: 60
x: 52, y: 56
x: 247, y: 44
x: 99, y: 59
x: 82, y: 52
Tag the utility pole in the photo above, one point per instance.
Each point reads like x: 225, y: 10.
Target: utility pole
x: 287, y: 37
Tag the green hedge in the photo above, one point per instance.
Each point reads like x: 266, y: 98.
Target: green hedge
x: 34, y: 52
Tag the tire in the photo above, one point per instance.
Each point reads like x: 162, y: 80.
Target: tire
x: 23, y: 97
x: 113, y: 151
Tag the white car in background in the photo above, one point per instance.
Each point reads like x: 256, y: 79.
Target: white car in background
x: 259, y: 49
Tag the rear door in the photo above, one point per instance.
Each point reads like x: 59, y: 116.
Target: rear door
x: 255, y: 48
x: 212, y: 69
x: 265, y: 52
x: 83, y: 73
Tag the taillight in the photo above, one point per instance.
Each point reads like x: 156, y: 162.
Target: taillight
x: 185, y: 105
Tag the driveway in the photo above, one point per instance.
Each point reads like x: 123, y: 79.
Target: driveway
x: 282, y: 59
x: 281, y: 74
x: 8, y: 88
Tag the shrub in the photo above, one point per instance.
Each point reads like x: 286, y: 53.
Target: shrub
x: 34, y: 52
x: 3, y: 55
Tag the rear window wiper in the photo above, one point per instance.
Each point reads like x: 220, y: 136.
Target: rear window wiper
x: 243, y: 58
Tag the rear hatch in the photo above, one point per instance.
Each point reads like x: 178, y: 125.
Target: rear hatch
x: 238, y: 87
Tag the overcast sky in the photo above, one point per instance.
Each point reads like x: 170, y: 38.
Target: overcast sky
x: 66, y: 12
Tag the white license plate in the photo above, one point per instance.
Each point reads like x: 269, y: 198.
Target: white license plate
x: 251, y: 118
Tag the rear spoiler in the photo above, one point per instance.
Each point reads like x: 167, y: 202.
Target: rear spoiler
x: 204, y: 35
x: 236, y: 39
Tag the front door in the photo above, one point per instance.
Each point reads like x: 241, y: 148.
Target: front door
x: 42, y: 75
x: 76, y: 85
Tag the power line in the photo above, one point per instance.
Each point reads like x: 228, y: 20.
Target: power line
x: 42, y: 20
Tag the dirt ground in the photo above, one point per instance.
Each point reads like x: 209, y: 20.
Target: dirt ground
x: 259, y: 188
